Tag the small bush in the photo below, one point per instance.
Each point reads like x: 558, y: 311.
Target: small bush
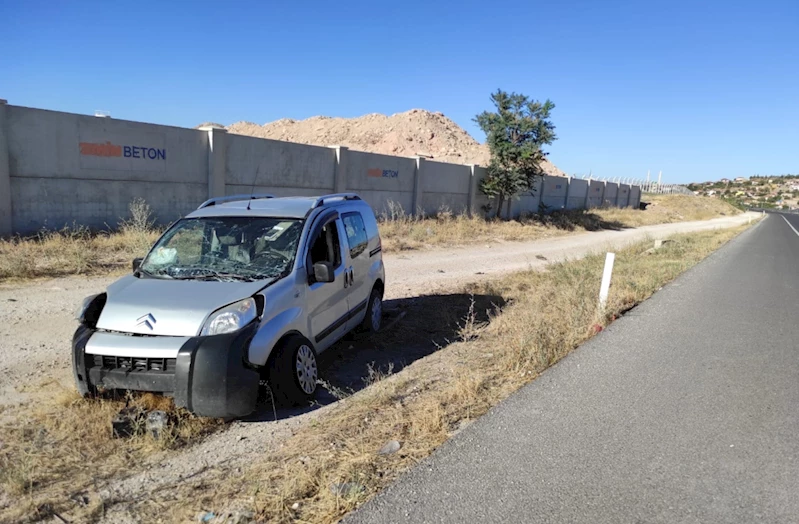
x: 141, y: 217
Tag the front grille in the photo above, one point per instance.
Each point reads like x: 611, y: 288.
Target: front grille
x: 135, y: 363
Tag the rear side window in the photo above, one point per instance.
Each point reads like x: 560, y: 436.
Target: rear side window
x: 356, y: 233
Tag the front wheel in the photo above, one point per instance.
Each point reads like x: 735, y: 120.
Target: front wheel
x: 294, y: 372
x: 374, y: 312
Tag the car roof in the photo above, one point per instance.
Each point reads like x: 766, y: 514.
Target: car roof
x: 288, y: 207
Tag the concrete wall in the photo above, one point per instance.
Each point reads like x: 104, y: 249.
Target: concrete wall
x: 635, y: 196
x: 553, y: 192
x: 480, y: 201
x: 445, y: 186
x: 578, y: 190
x: 280, y: 168
x: 61, y: 169
x: 596, y: 193
x: 527, y: 203
x: 611, y: 192
x: 623, y: 198
x: 66, y: 168
x: 6, y: 228
x: 380, y: 179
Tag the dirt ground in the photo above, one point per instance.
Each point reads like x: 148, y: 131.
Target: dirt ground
x: 37, y: 322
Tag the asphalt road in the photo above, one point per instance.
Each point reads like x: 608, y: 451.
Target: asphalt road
x: 685, y: 410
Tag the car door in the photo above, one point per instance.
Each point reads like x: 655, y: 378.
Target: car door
x: 358, y: 265
x: 327, y: 302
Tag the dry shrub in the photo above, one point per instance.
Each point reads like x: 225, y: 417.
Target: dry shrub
x: 76, y: 250
x: 400, y: 231
x: 548, y: 314
x: 141, y: 217
x: 62, y: 445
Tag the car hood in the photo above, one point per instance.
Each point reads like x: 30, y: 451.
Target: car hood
x: 150, y: 306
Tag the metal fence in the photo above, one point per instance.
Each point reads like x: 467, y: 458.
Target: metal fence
x: 646, y: 186
x: 665, y: 189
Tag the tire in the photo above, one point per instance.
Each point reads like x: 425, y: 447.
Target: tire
x: 374, y: 312
x: 294, y: 371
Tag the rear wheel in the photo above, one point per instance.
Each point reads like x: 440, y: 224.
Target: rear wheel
x: 294, y: 371
x: 374, y: 312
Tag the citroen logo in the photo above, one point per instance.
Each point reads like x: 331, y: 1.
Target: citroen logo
x: 147, y: 321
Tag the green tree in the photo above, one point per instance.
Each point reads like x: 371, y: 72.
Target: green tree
x: 516, y: 132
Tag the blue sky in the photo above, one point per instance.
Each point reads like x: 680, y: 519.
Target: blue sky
x: 699, y: 90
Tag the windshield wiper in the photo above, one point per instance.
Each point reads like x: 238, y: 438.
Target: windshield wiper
x: 217, y: 275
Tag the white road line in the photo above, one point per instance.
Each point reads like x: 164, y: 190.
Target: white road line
x: 794, y: 229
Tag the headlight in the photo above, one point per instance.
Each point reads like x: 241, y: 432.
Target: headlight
x: 81, y: 312
x: 230, y: 318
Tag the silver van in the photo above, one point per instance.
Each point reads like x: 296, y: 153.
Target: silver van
x: 246, y: 288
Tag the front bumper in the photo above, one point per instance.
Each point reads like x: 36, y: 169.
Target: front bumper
x: 210, y: 375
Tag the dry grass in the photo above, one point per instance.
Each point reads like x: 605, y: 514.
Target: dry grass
x: 332, y: 466
x: 664, y: 209
x: 54, y: 452
x: 400, y: 231
x: 77, y: 250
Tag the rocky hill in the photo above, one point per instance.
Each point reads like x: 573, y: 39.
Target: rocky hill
x: 412, y: 133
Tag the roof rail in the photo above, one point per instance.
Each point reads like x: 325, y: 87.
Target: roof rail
x: 322, y: 200
x: 232, y: 198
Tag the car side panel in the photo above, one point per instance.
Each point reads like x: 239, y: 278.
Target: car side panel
x: 273, y: 330
x: 376, y: 272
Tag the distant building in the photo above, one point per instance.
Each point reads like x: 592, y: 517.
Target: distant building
x: 740, y: 179
x: 725, y: 180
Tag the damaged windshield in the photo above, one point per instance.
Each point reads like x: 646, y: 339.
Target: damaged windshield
x: 225, y: 248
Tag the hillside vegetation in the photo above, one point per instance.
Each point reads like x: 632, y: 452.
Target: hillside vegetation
x: 772, y: 192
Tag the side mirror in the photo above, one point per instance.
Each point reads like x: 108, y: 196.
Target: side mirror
x: 323, y: 272
x: 136, y: 263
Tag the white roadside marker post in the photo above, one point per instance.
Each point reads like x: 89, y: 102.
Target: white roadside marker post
x: 605, y: 286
